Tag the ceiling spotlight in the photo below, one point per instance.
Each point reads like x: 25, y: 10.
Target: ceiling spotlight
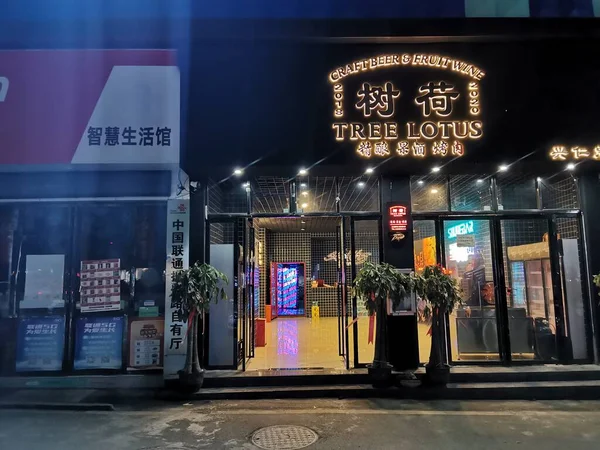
x: 305, y: 193
x: 302, y: 185
x: 434, y: 191
x: 302, y: 229
x: 369, y: 170
x: 435, y: 169
x: 539, y: 179
x: 570, y: 166
x: 304, y: 205
x: 246, y: 185
x: 238, y: 172
x: 303, y: 172
x: 303, y: 222
x: 503, y: 168
x: 479, y: 181
x: 421, y: 182
x: 360, y: 184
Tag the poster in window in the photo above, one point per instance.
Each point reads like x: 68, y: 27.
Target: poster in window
x: 40, y: 344
x: 100, y: 286
x: 145, y: 343
x: 98, y: 343
x: 43, y: 282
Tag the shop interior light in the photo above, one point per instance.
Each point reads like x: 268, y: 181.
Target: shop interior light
x: 361, y: 184
x: 303, y: 172
x: 434, y: 191
x: 305, y: 193
x: 421, y: 182
x: 304, y: 205
x: 539, y: 179
x: 435, y: 169
x: 302, y: 229
x: 479, y: 181
x: 302, y: 222
x: 503, y: 168
x: 369, y: 170
x: 246, y: 185
x: 570, y: 166
x: 302, y: 185
x: 238, y: 172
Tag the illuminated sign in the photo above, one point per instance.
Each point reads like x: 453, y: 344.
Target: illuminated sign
x: 460, y: 229
x: 460, y: 254
x: 576, y: 153
x: 369, y: 121
x: 397, y: 218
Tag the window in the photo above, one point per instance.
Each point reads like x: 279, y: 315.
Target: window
x: 429, y: 193
x: 470, y: 193
x: 516, y: 191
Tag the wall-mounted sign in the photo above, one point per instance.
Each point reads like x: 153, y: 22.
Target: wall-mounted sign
x: 446, y: 112
x: 398, y: 222
x: 360, y: 256
x: 98, y: 343
x: 460, y: 229
x: 40, y: 344
x: 575, y: 153
x: 146, y: 338
x: 100, y: 286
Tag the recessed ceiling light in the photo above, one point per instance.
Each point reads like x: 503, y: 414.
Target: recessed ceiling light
x: 539, y: 179
x: 246, y: 185
x: 238, y: 172
x: 570, y: 166
x: 302, y: 172
x: 302, y: 229
x: 479, y: 181
x: 305, y: 193
x: 435, y: 169
x: 303, y: 222
x: 369, y: 170
x: 434, y: 191
x: 360, y: 184
x: 421, y: 182
x: 304, y: 205
x: 503, y: 168
x: 302, y: 185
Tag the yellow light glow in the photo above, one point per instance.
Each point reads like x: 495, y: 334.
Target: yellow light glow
x: 580, y: 152
x: 364, y: 149
x: 596, y: 152
x: 559, y: 153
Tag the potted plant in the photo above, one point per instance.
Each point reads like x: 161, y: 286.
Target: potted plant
x: 374, y: 284
x: 194, y: 289
x: 441, y: 294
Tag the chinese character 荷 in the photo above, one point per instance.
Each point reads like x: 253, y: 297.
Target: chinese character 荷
x: 94, y: 135
x: 377, y: 98
x: 146, y: 136
x: 437, y: 98
x: 364, y: 149
x: 418, y: 149
x: 403, y: 149
x: 382, y: 149
x: 111, y: 136
x: 129, y: 137
x: 163, y: 136
x: 580, y: 152
x: 440, y: 148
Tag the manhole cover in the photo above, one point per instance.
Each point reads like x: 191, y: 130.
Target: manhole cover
x: 284, y: 437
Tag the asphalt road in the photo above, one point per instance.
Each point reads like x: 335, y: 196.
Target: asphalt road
x: 340, y: 424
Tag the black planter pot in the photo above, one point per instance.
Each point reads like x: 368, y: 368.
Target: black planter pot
x: 437, y: 376
x: 381, y: 376
x: 191, y: 382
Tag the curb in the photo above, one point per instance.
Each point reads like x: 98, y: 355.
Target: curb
x: 58, y: 406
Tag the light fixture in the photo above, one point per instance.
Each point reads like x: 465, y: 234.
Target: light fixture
x: 435, y: 169
x: 570, y: 166
x: 302, y: 222
x: 369, y: 170
x: 434, y: 191
x: 305, y: 193
x: 503, y: 168
x: 361, y: 184
x: 421, y: 182
x: 539, y: 179
x: 303, y: 172
x: 246, y: 185
x: 302, y: 229
x: 237, y: 172
x: 479, y: 181
x: 304, y: 205
x: 302, y: 185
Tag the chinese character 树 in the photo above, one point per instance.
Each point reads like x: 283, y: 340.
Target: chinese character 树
x: 146, y: 136
x: 94, y: 135
x: 377, y: 98
x: 111, y: 136
x: 129, y: 136
x: 163, y: 136
x: 437, y: 98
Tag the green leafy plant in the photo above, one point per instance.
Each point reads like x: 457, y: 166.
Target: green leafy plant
x: 193, y: 290
x: 373, y: 285
x: 442, y: 294
x: 596, y: 281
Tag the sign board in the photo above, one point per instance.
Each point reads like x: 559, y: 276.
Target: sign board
x: 98, y: 343
x: 126, y: 112
x: 440, y: 105
x: 146, y: 337
x: 465, y: 240
x: 100, y: 285
x: 43, y: 282
x: 40, y: 344
x: 398, y: 222
x: 177, y: 252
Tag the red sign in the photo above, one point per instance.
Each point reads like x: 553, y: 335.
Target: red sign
x: 397, y: 218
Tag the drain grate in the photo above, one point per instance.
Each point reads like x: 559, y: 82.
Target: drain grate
x: 284, y: 437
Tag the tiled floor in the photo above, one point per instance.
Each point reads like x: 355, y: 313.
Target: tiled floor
x: 307, y: 344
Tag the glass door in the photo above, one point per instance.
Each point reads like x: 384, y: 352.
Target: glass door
x: 365, y: 246
x: 342, y: 294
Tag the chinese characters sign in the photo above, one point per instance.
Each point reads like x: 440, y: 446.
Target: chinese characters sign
x: 178, y: 225
x: 128, y: 136
x: 574, y: 153
x: 448, y: 112
x: 99, y: 343
x: 398, y: 222
x: 145, y: 343
x: 100, y: 285
x: 40, y: 344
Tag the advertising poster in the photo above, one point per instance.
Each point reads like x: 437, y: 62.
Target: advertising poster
x: 100, y: 286
x: 40, y: 344
x: 177, y: 250
x: 44, y: 282
x: 145, y: 343
x: 98, y: 343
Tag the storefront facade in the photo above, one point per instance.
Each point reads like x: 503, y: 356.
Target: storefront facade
x: 472, y: 155
x: 90, y: 167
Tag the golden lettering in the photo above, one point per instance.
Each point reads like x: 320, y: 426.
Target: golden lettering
x: 390, y: 130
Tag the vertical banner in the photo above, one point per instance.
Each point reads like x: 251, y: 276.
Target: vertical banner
x: 145, y: 343
x: 40, y: 344
x: 100, y: 285
x: 178, y: 226
x: 99, y: 343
